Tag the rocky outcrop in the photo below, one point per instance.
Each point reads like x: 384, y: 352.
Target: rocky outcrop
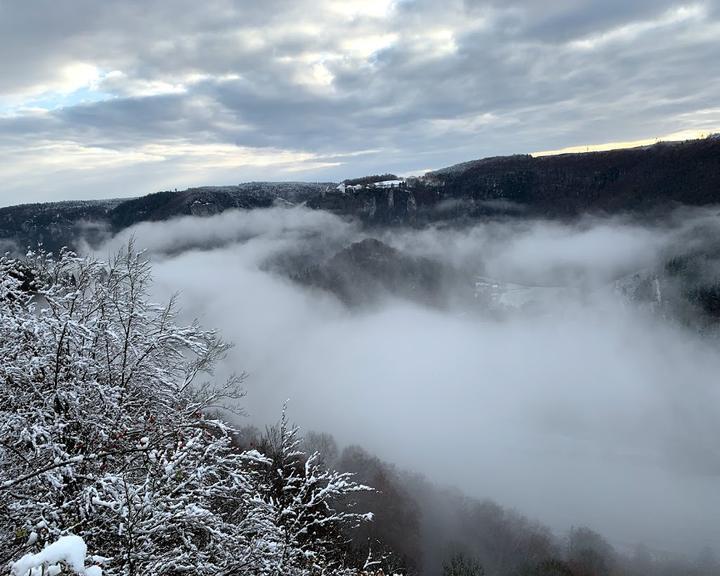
x: 369, y: 270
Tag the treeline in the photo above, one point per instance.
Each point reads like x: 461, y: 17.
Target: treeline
x: 641, y: 181
x: 365, y: 180
x: 425, y: 530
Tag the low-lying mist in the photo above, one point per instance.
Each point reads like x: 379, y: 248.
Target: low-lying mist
x: 537, y: 382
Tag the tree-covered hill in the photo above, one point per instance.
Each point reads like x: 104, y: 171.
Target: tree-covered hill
x: 640, y: 181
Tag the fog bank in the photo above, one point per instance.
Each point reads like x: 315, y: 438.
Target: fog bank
x: 574, y: 405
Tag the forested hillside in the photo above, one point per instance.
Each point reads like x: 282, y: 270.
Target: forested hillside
x: 643, y: 182
x: 639, y: 181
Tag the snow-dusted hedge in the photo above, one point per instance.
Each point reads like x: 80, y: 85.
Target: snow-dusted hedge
x: 105, y: 434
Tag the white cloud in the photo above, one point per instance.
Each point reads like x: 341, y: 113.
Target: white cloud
x: 69, y: 78
x: 630, y: 32
x: 351, y: 9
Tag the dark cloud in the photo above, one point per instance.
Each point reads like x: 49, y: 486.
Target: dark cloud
x: 565, y: 20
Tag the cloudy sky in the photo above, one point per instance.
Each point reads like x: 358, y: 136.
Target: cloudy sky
x: 122, y: 98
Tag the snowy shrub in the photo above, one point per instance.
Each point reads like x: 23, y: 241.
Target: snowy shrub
x: 105, y: 433
x: 300, y: 495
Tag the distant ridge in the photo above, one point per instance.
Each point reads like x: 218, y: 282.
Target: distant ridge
x: 632, y: 180
x: 638, y: 181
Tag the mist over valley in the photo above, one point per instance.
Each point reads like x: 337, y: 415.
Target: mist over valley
x: 359, y: 288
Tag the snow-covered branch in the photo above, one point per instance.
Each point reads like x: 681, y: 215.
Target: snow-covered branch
x: 107, y: 439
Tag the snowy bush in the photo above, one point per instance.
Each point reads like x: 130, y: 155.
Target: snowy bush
x: 106, y: 433
x: 300, y: 494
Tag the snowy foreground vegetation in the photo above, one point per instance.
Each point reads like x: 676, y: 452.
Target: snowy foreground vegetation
x: 113, y: 459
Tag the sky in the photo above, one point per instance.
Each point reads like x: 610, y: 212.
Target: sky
x: 121, y: 98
